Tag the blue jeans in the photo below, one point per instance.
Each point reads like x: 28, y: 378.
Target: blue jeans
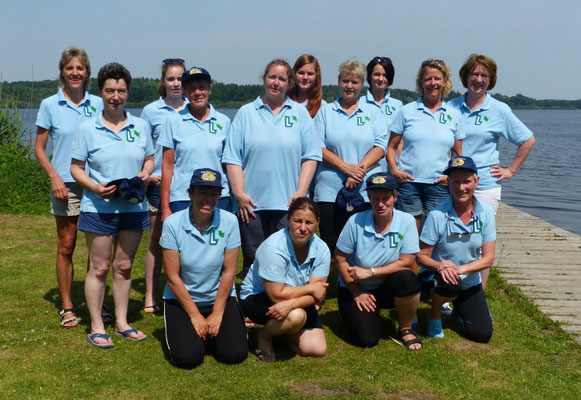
x: 420, y: 198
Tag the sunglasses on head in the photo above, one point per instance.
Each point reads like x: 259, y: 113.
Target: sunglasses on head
x: 173, y: 61
x: 382, y: 59
x: 428, y: 62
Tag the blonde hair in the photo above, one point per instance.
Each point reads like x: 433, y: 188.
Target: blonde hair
x: 353, y: 66
x: 67, y: 56
x: 440, y: 66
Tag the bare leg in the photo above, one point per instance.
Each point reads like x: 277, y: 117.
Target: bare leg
x: 153, y: 261
x: 406, y: 308
x: 100, y: 247
x: 66, y: 228
x: 294, y: 321
x: 308, y: 342
x: 125, y: 249
x: 437, y: 301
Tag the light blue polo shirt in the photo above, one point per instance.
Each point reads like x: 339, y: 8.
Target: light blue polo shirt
x: 196, y: 145
x: 61, y: 118
x: 350, y: 137
x: 276, y: 262
x: 427, y: 139
x: 371, y: 249
x: 484, y: 127
x: 270, y: 149
x: 389, y: 106
x: 155, y: 115
x: 454, y: 241
x: 201, y: 254
x: 109, y: 156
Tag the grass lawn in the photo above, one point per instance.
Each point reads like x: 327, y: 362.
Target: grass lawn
x: 529, y: 356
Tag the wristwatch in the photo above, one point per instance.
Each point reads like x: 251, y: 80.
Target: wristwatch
x: 373, y: 273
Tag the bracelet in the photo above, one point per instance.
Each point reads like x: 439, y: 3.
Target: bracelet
x: 373, y: 273
x: 510, y: 169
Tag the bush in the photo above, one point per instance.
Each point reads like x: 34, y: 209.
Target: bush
x: 24, y: 186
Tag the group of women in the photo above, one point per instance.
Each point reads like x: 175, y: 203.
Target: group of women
x: 281, y: 167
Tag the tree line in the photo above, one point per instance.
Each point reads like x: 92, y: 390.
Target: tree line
x: 28, y: 94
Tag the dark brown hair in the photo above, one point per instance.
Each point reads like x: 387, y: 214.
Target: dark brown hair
x: 303, y: 203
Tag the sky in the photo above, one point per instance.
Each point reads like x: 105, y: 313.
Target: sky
x: 536, y: 44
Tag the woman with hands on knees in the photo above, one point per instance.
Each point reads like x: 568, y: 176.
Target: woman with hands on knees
x: 376, y: 255
x: 353, y: 136
x: 431, y: 130
x: 450, y: 251
x: 200, y: 252
x: 287, y: 283
x: 271, y: 156
x: 58, y: 118
x: 113, y: 226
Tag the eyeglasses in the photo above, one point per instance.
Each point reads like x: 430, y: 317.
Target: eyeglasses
x: 173, y: 61
x: 379, y: 59
x: 428, y: 62
x: 480, y: 75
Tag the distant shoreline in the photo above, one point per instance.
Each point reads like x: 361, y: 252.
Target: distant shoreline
x: 28, y: 94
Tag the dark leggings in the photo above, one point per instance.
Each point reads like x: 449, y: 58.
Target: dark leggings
x: 471, y: 306
x: 365, y: 326
x: 187, y: 348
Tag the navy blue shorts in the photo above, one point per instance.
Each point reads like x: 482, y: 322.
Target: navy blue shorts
x: 153, y: 195
x: 111, y: 224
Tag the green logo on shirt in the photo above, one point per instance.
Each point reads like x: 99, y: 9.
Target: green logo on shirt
x: 213, y: 239
x: 362, y: 120
x: 131, y: 136
x: 443, y: 117
x: 289, y: 122
x: 89, y: 110
x: 389, y: 110
x: 479, y: 119
x: 394, y: 239
x: 213, y: 127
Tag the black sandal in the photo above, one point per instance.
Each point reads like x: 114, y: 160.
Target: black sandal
x: 408, y: 343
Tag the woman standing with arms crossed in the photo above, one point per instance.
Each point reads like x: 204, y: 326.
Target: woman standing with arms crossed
x: 271, y: 156
x: 486, y: 120
x: 113, y: 226
x: 431, y: 130
x: 353, y: 136
x: 58, y: 117
x: 308, y: 88
x: 155, y: 114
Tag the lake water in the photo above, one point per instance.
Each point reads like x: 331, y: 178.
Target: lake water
x: 547, y: 186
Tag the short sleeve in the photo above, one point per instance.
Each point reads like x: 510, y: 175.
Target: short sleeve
x: 320, y: 127
x: 430, y: 234
x: 459, y: 132
x: 310, y: 149
x: 168, y: 238
x: 165, y: 138
x: 489, y: 227
x: 272, y: 264
x: 43, y: 118
x: 379, y: 129
x: 347, y: 241
x: 398, y: 123
x: 322, y: 262
x: 149, y: 150
x: 233, y: 150
x: 233, y: 239
x: 515, y: 131
x: 410, y: 241
x: 80, y: 150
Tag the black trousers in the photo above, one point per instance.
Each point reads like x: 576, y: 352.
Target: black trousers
x: 253, y: 233
x: 331, y: 225
x: 470, y: 305
x: 365, y: 326
x: 187, y: 348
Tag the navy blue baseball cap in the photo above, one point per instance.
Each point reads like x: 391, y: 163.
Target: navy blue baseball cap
x: 381, y: 180
x: 206, y: 177
x: 460, y: 162
x: 131, y: 189
x: 196, y: 73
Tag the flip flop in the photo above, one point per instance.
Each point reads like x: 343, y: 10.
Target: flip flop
x: 154, y: 309
x: 125, y: 334
x: 65, y: 321
x: 91, y: 339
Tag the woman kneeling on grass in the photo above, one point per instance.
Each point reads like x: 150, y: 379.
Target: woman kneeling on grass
x: 457, y: 242
x: 286, y: 284
x: 376, y: 254
x: 200, y: 250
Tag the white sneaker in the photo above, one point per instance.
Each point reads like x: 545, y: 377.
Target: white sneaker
x: 446, y: 309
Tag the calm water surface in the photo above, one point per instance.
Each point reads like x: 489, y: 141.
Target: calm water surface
x: 547, y: 186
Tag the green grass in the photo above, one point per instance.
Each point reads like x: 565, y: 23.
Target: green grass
x: 529, y: 356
